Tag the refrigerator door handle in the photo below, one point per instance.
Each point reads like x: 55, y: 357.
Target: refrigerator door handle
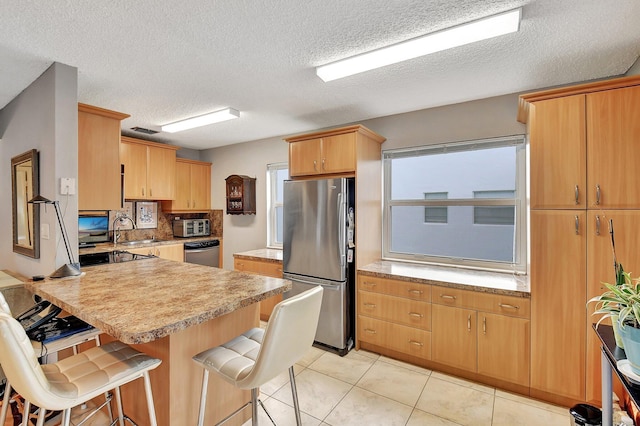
x: 342, y: 219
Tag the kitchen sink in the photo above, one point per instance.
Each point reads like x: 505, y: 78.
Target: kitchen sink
x: 133, y: 243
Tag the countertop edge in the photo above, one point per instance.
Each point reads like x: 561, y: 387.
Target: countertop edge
x: 428, y: 281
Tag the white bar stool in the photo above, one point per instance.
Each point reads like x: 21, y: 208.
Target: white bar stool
x: 60, y: 344
x: 74, y: 380
x: 257, y: 356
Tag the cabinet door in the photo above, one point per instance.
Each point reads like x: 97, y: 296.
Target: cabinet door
x: 134, y: 158
x: 558, y: 298
x: 338, y: 153
x: 454, y: 338
x: 200, y: 187
x: 171, y: 252
x: 558, y: 153
x: 626, y: 226
x: 182, y: 200
x: 98, y: 162
x: 304, y: 157
x: 613, y: 131
x: 504, y: 348
x: 161, y: 173
x: 269, y: 269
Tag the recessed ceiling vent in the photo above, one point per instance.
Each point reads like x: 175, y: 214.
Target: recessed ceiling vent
x: 143, y: 130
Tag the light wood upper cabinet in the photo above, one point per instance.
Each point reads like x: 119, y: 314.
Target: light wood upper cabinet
x: 99, y: 158
x: 558, y: 153
x: 558, y: 297
x: 149, y: 169
x: 193, y: 187
x: 329, y: 152
x: 613, y: 148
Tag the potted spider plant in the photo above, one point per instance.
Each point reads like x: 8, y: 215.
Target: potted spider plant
x: 622, y: 300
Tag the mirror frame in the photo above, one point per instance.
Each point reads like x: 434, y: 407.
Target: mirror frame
x: 32, y: 156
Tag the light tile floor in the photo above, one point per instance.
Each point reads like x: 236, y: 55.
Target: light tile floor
x: 363, y: 388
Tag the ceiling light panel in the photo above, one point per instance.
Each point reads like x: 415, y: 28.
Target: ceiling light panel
x: 482, y: 29
x: 202, y: 120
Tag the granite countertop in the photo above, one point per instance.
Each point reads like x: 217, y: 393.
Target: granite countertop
x: 104, y: 247
x: 140, y: 301
x: 266, y: 255
x: 465, y: 279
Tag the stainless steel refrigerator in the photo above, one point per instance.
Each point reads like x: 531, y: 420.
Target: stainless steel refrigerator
x: 319, y: 249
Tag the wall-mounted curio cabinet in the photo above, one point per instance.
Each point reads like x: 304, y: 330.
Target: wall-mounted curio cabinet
x: 241, y: 194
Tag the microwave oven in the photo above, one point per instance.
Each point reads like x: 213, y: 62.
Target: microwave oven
x: 191, y: 228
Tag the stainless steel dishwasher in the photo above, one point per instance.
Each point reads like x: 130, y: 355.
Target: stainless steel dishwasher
x: 203, y: 252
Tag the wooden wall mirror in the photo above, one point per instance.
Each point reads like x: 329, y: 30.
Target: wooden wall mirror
x: 26, y: 217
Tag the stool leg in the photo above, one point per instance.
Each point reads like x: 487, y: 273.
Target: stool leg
x: 41, y: 417
x: 66, y: 417
x: 25, y: 413
x: 5, y: 402
x: 119, y: 403
x: 203, y: 397
x: 254, y: 407
x: 294, y: 393
x: 151, y: 407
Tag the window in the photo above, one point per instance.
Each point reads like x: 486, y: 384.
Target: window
x: 500, y: 215
x: 435, y: 214
x: 277, y: 173
x: 460, y: 204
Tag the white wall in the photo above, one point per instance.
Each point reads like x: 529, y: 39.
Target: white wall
x: 43, y: 117
x: 471, y: 120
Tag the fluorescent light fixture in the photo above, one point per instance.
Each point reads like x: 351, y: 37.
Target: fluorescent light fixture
x: 202, y: 120
x: 482, y: 29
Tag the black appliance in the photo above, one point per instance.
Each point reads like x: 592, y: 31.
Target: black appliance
x: 115, y: 256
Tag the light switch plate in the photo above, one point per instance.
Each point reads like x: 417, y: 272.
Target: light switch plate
x: 67, y: 186
x: 44, y: 231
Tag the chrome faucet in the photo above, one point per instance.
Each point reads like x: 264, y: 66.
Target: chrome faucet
x: 116, y: 230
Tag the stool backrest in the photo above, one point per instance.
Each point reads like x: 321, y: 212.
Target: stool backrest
x: 4, y: 306
x: 289, y: 335
x: 21, y: 366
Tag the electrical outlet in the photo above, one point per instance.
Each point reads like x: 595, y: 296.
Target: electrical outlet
x: 67, y: 186
x: 44, y: 231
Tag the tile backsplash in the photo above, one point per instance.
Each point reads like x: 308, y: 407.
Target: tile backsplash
x: 164, y: 230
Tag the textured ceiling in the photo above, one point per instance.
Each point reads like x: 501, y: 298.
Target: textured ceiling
x: 163, y: 61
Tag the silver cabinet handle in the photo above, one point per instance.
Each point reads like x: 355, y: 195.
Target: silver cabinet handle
x: 370, y: 331
x: 597, y: 225
x: 143, y: 192
x: 414, y: 291
x: 416, y: 343
x: 370, y: 305
x: 597, y: 195
x: 577, y: 225
x: 507, y: 306
x: 323, y: 164
x: 446, y: 296
x: 367, y: 283
x: 484, y: 325
x: 415, y: 314
x: 469, y: 323
x: 150, y: 192
x: 577, y: 195
x: 315, y: 165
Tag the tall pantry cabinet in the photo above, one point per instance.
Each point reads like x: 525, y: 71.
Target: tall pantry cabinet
x: 583, y: 146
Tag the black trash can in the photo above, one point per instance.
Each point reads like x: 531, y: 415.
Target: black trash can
x: 586, y: 415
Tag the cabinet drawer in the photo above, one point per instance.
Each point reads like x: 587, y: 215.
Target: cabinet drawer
x: 270, y: 269
x: 408, y: 340
x: 454, y: 297
x: 413, y: 313
x: 504, y: 305
x: 398, y: 288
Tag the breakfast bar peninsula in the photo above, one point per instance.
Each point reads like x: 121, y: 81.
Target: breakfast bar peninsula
x: 171, y: 311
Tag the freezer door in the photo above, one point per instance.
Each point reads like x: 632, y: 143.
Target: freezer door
x: 315, y: 228
x: 333, y: 325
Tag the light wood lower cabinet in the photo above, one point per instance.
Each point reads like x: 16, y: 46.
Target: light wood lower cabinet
x: 169, y: 252
x: 487, y: 335
x: 270, y: 269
